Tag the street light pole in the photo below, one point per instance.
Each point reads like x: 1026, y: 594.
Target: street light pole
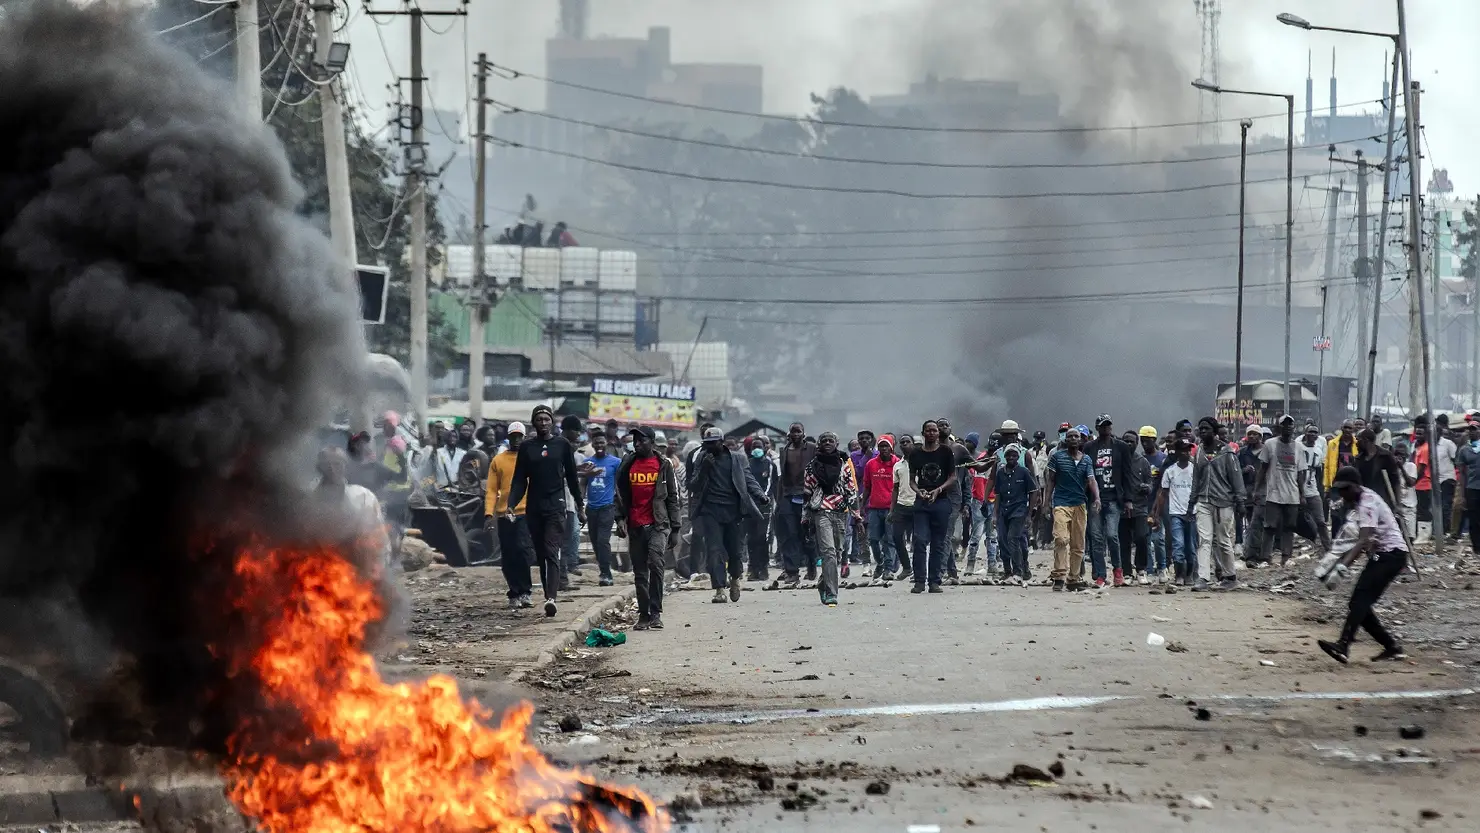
x: 1289, y: 207
x: 1238, y: 327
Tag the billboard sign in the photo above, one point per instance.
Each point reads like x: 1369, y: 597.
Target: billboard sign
x: 656, y: 404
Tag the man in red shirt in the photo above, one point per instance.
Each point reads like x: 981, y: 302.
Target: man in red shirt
x: 878, y: 497
x: 647, y: 516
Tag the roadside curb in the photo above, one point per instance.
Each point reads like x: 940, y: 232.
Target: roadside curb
x: 100, y: 804
x: 567, y: 638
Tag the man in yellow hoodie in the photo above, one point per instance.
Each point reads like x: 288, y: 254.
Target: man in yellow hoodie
x: 513, y: 532
x: 1341, y: 451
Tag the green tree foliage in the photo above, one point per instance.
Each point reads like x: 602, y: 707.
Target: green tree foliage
x: 291, y: 107
x: 1468, y: 236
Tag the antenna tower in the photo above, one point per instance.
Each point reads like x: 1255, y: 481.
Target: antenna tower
x: 1209, y: 110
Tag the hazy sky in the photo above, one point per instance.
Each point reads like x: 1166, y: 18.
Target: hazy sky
x: 880, y: 46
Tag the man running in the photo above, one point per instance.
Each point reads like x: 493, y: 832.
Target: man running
x: 545, y: 471
x: 1075, y: 493
x: 647, y: 516
x: 1370, y: 520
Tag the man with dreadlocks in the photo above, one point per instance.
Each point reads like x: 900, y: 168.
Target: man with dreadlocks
x: 832, y: 495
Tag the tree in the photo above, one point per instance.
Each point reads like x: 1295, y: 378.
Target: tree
x: 1468, y: 236
x: 291, y: 108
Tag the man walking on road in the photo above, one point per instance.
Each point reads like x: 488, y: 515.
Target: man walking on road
x: 902, y: 510
x: 1281, y: 480
x: 1017, y: 496
x: 648, y: 514
x: 877, y: 500
x: 1313, y: 453
x: 722, y: 497
x: 1111, y: 459
x: 933, y: 476
x: 1175, y: 500
x: 599, y: 471
x: 1075, y: 493
x: 509, y: 521
x: 832, y: 497
x: 545, y: 471
x: 758, y: 528
x: 789, y: 539
x: 1218, y: 494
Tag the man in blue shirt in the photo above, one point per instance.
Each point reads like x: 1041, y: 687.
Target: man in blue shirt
x: 1016, y: 490
x: 599, y: 471
x: 1074, y: 495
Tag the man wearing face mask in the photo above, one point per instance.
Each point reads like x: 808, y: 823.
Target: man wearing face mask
x: 723, y: 496
x: 1372, y: 523
x: 758, y: 526
x: 832, y: 496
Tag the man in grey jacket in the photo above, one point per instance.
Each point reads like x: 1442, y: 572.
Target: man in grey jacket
x: 722, y: 494
x: 1218, y: 495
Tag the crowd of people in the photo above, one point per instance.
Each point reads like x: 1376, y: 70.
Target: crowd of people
x: 1184, y: 509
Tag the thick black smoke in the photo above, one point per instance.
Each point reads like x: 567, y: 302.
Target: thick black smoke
x: 169, y: 332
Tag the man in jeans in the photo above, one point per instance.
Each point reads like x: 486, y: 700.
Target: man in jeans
x: 1281, y: 479
x: 570, y: 429
x: 832, y: 496
x: 902, y: 510
x: 599, y: 471
x: 1218, y: 492
x: 758, y: 527
x: 877, y: 500
x: 724, y: 494
x: 1017, y: 492
x: 1468, y: 463
x: 1111, y: 459
x: 1071, y: 481
x: 1176, y: 501
x: 648, y: 514
x: 1314, y: 453
x: 794, y: 457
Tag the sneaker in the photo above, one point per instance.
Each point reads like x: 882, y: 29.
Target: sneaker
x: 1391, y: 654
x: 734, y: 588
x: 565, y: 584
x: 1058, y: 587
x: 954, y: 581
x: 1118, y: 576
x: 1163, y: 577
x: 830, y: 601
x: 514, y: 603
x: 606, y: 581
x: 643, y: 623
x: 1230, y: 583
x: 1143, y: 579
x: 791, y: 583
x: 904, y: 575
x: 525, y: 602
x: 936, y: 588
x: 719, y: 598
x: 752, y: 575
x: 1169, y: 590
x: 550, y: 608
x: 919, y: 588
x: 1334, y: 650
x: 1099, y: 583
x: 1201, y: 586
x: 657, y: 623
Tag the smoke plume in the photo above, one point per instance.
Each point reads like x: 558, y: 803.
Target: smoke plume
x: 169, y: 333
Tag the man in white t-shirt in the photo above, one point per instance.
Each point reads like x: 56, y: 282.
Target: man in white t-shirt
x: 1448, y: 477
x: 902, y: 513
x: 1371, y: 529
x: 1313, y: 453
x: 1176, y: 500
x: 1282, y: 475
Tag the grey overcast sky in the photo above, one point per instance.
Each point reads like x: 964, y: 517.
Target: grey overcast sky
x: 880, y: 46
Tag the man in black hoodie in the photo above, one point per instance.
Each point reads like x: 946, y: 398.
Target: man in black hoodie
x: 758, y: 527
x: 1110, y: 459
x: 795, y: 456
x: 723, y: 495
x: 545, y: 470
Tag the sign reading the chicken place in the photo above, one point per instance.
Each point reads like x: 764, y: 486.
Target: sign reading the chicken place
x: 657, y: 404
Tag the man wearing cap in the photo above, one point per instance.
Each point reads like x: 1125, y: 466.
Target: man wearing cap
x: 1111, y: 459
x: 1251, y: 526
x: 1371, y: 521
x: 508, y: 521
x: 545, y: 472
x: 722, y: 496
x: 1017, y: 492
x: 866, y: 451
x: 1218, y: 500
x: 758, y: 527
x: 1313, y: 453
x: 1281, y: 479
x: 647, y: 516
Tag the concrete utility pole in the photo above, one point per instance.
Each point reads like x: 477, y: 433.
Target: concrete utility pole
x: 1363, y: 270
x: 1389, y: 170
x: 336, y: 158
x: 1331, y: 208
x: 248, y: 59
x: 478, y: 314
x: 1238, y: 323
x: 416, y: 176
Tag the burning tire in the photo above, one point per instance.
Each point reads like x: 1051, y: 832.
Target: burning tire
x: 43, y: 723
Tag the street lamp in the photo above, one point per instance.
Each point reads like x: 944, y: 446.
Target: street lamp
x: 1289, y: 205
x: 1301, y: 23
x: 1293, y: 20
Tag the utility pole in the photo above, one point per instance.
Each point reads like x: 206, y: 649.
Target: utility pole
x: 416, y: 176
x: 248, y: 59
x: 1331, y: 207
x: 1389, y: 168
x: 1238, y: 325
x: 478, y: 314
x: 1363, y: 269
x: 336, y: 158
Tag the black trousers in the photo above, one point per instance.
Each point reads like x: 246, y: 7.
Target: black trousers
x: 1134, y: 534
x: 1380, y: 571
x: 646, y: 546
x: 903, y: 527
x: 517, y: 551
x: 1472, y: 508
x: 758, y: 544
x: 723, y: 548
x: 1446, y: 496
x: 547, y: 530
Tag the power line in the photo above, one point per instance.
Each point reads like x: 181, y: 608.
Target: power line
x: 514, y: 74
x: 888, y: 192
x: 989, y: 166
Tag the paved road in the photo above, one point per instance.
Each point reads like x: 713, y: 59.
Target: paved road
x: 953, y: 691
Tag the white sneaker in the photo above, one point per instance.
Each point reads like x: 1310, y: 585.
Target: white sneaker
x: 1142, y: 579
x: 1164, y: 577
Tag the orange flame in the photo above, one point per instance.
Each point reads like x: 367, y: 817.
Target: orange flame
x: 336, y: 749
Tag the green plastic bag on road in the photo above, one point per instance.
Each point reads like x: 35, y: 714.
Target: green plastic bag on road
x: 599, y: 638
